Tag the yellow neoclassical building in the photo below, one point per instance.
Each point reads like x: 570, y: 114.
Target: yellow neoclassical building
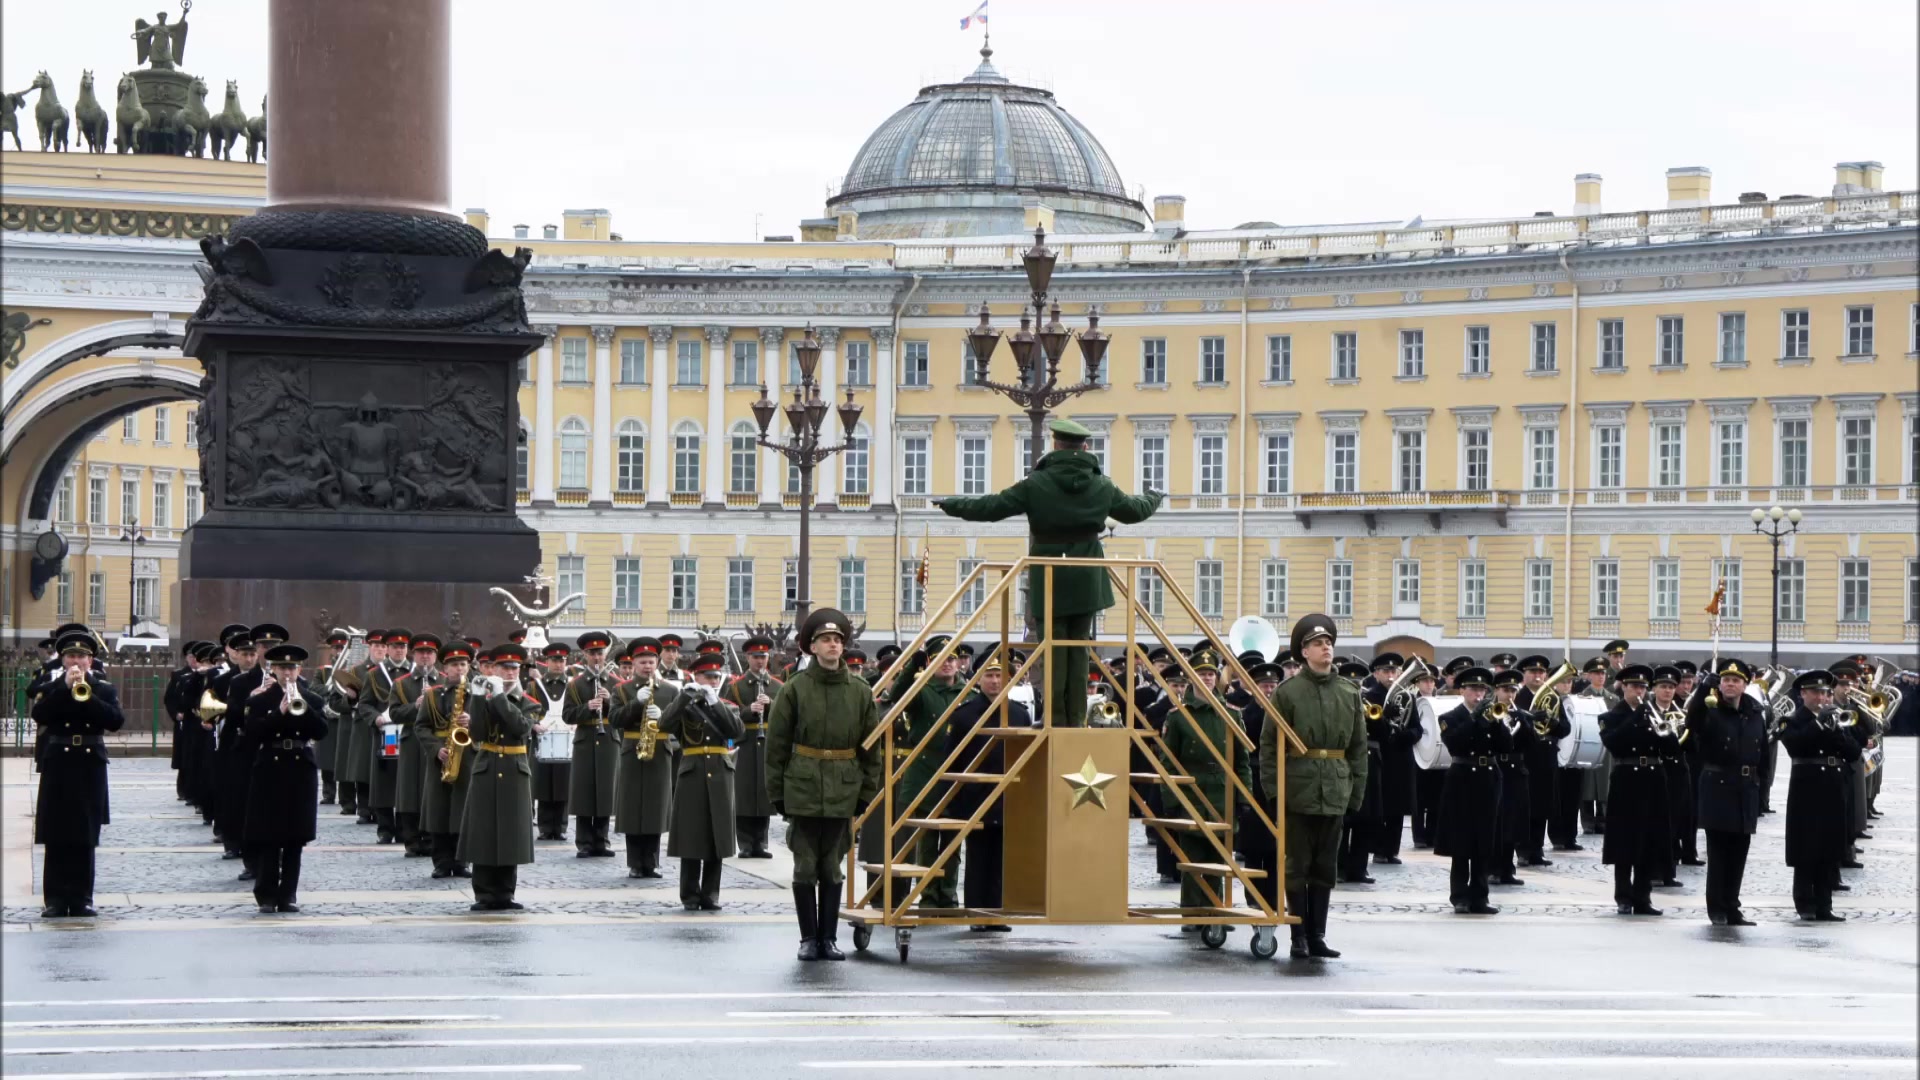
x: 1523, y: 434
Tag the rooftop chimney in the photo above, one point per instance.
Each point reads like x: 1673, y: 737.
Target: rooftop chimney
x: 1856, y: 177
x: 549, y: 232
x: 1689, y: 186
x: 1169, y: 213
x: 477, y: 217
x: 1586, y: 193
x: 592, y: 224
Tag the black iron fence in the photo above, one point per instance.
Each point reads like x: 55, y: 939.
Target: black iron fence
x: 140, y: 677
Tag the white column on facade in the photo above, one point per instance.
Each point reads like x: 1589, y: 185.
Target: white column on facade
x: 601, y: 484
x: 882, y: 452
x: 773, y: 361
x: 719, y: 446
x: 658, y: 442
x: 540, y: 454
x: 826, y: 479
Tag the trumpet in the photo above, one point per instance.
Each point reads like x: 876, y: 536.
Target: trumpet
x: 1503, y: 713
x: 82, y: 691
x: 1109, y: 713
x: 296, y: 704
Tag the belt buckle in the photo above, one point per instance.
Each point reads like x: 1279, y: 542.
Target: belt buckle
x: 1746, y: 770
x: 1481, y: 760
x: 1644, y: 760
x: 79, y: 740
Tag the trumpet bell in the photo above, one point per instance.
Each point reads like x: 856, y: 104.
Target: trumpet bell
x: 210, y: 706
x: 296, y: 705
x: 82, y: 691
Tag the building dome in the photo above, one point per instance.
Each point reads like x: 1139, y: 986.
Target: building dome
x: 967, y: 158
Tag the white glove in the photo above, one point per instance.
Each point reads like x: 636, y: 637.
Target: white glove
x: 711, y: 693
x: 653, y: 712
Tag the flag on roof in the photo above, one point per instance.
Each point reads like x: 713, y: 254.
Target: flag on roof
x: 979, y: 16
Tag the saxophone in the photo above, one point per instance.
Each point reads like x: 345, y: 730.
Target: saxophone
x: 458, y: 738
x: 649, y: 742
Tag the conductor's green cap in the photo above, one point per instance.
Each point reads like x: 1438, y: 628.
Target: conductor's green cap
x: 1068, y: 429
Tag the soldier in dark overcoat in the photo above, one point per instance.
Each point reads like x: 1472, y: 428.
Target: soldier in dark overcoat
x: 643, y: 803
x: 545, y: 686
x: 380, y: 799
x: 1542, y: 758
x: 703, y: 824
x: 72, y: 803
x: 410, y: 776
x: 441, y: 710
x: 326, y: 749
x: 981, y: 885
x: 281, y: 807
x: 1516, y: 792
x: 596, y: 746
x: 1638, y: 840
x: 1819, y: 836
x: 496, y: 829
x: 1468, y: 830
x: 752, y: 693
x: 1731, y: 730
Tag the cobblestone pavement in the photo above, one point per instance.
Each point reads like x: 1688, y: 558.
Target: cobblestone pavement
x: 157, y: 860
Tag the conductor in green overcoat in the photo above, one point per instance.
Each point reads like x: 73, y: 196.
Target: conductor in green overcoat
x: 1066, y: 501
x: 496, y: 828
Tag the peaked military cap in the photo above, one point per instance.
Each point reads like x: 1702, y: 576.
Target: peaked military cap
x: 1457, y: 665
x: 560, y: 650
x: 77, y: 641
x: 711, y: 645
x: 643, y: 646
x: 671, y: 641
x: 226, y: 631
x: 594, y: 639
x: 854, y: 658
x: 207, y: 653
x: 241, y: 640
x: 286, y: 654
x: 1205, y: 660
x: 1535, y: 662
x: 887, y: 654
x: 1636, y: 675
x: 758, y: 643
x: 1285, y: 657
x: 1593, y: 664
x: 1616, y: 647
x: 511, y: 653
x: 824, y: 621
x: 1815, y: 680
x: 1503, y: 659
x: 705, y: 662
x: 1509, y: 677
x: 1313, y: 627
x: 338, y: 637
x: 1386, y: 659
x: 518, y: 635
x: 1263, y: 672
x: 1352, y: 669
x: 1844, y: 669
x: 398, y: 636
x: 1666, y: 673
x: 456, y: 650
x: 1686, y: 667
x: 1472, y: 676
x: 1730, y: 667
x: 1067, y: 429
x: 426, y: 641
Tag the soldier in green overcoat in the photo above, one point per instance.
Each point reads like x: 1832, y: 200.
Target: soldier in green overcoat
x: 643, y: 800
x: 326, y: 748
x: 1324, y: 784
x: 414, y: 763
x: 922, y: 713
x: 703, y: 787
x: 441, y: 710
x: 496, y: 831
x: 820, y: 774
x: 752, y: 692
x: 1066, y: 502
x: 1190, y: 753
x: 351, y: 766
x: 596, y: 745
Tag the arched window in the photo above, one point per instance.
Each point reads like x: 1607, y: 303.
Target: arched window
x: 743, y: 463
x: 686, y: 458
x: 855, y: 463
x: 631, y: 447
x: 519, y: 455
x: 573, y: 453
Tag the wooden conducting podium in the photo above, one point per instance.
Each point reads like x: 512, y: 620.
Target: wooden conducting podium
x: 1064, y: 792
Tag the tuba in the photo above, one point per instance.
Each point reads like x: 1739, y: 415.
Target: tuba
x: 1400, y: 695
x: 1251, y: 633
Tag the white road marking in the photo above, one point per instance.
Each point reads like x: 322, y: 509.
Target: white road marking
x: 241, y: 1021
x: 987, y: 995
x: 1057, y: 1063
x: 298, y: 1071
x: 1611, y: 1062
x: 1565, y: 1014
x: 844, y: 1038
x: 1012, y: 1014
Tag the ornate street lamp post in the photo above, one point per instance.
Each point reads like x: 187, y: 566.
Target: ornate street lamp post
x: 803, y: 447
x: 1768, y: 523
x: 133, y: 536
x: 1037, y: 354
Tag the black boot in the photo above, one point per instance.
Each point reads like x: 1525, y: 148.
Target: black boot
x: 1319, y: 898
x: 326, y: 790
x: 1297, y: 932
x: 830, y: 922
x: 804, y: 907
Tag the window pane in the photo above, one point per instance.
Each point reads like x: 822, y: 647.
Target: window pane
x: 1413, y: 352
x: 1733, y: 338
x: 1153, y: 361
x: 1545, y: 344
x: 1153, y: 462
x: 1346, y: 356
x: 1345, y: 463
x: 1280, y: 358
x: 1273, y: 588
x: 1796, y: 335
x: 1473, y: 590
x: 1479, y: 350
x: 1673, y: 341
x: 1277, y: 465
x: 913, y: 466
x: 633, y: 361
x: 1477, y: 444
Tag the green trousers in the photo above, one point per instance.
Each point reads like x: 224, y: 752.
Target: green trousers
x: 819, y: 846
x: 1067, y: 671
x: 1313, y: 844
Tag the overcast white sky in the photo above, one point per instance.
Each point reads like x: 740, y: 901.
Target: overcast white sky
x: 688, y: 120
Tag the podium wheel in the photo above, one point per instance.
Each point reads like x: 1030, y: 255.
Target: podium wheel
x: 903, y: 941
x: 1265, y: 942
x: 862, y: 937
x: 1213, y: 936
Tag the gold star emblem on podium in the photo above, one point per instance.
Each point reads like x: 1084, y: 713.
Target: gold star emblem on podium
x: 1089, y: 785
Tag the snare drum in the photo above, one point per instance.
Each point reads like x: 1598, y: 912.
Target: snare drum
x: 1581, y: 748
x: 390, y: 740
x: 553, y: 747
x: 1430, y: 752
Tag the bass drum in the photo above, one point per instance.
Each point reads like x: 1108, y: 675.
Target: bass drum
x: 1430, y: 752
x: 1582, y: 749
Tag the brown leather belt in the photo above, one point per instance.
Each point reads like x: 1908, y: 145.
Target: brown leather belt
x: 823, y: 755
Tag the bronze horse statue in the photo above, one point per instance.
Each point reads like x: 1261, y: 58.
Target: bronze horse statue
x: 196, y: 118
x: 49, y: 114
x: 257, y: 135
x: 91, y: 118
x: 131, y: 116
x: 10, y: 105
x: 225, y: 129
